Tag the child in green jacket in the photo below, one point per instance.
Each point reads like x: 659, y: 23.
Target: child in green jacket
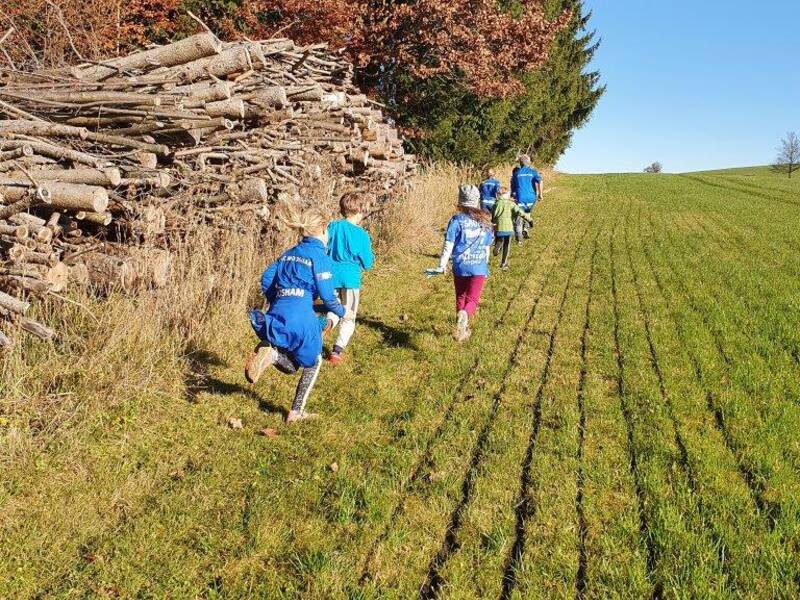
x: 504, y: 214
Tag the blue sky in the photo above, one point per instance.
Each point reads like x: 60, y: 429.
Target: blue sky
x: 699, y: 84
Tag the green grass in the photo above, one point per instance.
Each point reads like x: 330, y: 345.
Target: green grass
x: 623, y: 423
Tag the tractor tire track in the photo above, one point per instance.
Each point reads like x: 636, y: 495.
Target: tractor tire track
x: 424, y: 464
x: 733, y: 188
x: 680, y: 442
x: 526, y: 505
x: 753, y: 481
x: 580, y: 476
x: 653, y: 555
x: 450, y: 543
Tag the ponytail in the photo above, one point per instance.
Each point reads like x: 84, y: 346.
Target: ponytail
x: 479, y: 215
x: 307, y: 223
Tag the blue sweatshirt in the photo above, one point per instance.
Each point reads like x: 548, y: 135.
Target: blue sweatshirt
x: 291, y: 284
x: 350, y: 249
x: 470, y: 240
x: 489, y: 189
x: 523, y: 188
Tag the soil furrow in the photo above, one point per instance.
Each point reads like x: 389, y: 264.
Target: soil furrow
x: 526, y: 503
x: 580, y: 579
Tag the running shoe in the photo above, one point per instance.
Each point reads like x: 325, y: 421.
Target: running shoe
x: 262, y: 358
x: 462, y: 326
x: 296, y: 415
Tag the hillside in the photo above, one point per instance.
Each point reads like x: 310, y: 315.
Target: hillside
x: 622, y: 423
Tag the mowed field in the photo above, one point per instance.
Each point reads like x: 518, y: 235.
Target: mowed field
x: 624, y: 422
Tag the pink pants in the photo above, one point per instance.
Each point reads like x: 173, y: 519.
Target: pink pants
x: 468, y: 293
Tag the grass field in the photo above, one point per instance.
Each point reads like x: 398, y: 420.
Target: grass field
x: 623, y: 423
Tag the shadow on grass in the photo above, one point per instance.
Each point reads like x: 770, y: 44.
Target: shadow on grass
x: 200, y: 381
x: 392, y: 336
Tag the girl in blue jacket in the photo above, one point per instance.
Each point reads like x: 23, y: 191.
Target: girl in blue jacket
x: 468, y: 241
x: 290, y: 330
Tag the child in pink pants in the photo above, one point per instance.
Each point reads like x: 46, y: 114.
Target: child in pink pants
x: 468, y: 241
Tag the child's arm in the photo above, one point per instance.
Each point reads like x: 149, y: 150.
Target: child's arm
x: 268, y: 278
x: 449, y: 244
x: 366, y: 257
x: 322, y: 278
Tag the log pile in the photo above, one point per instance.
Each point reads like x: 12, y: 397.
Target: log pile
x: 101, y: 163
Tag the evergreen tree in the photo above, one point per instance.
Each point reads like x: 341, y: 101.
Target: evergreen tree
x: 447, y: 121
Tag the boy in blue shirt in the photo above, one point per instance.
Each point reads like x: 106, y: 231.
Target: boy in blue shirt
x: 489, y: 190
x: 526, y: 189
x: 350, y: 248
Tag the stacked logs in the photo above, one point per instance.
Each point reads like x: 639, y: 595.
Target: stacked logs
x: 102, y: 163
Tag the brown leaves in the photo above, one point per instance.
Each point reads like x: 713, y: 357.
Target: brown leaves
x: 472, y: 40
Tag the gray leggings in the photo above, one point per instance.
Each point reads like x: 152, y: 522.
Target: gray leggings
x: 308, y: 378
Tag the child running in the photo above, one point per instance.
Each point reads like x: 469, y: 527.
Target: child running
x: 505, y: 213
x: 290, y: 330
x: 526, y: 189
x: 350, y: 249
x: 489, y: 189
x: 468, y: 240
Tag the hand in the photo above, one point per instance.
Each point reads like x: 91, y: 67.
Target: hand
x: 434, y: 271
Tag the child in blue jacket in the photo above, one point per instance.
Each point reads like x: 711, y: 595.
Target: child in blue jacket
x: 289, y: 330
x: 350, y: 249
x: 489, y: 190
x: 526, y: 189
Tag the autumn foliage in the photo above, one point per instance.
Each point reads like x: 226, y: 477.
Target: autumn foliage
x: 472, y: 40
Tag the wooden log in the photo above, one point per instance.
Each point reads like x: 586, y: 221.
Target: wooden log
x: 178, y: 53
x: 43, y: 333
x: 303, y: 93
x: 227, y: 62
x: 197, y: 94
x: 36, y: 128
x: 108, y: 272
x: 13, y: 305
x: 97, y: 98
x: 57, y: 277
x: 233, y: 108
x: 148, y: 160
x: 53, y: 151
x: 254, y: 190
x: 16, y: 153
x: 31, y: 285
x: 19, y: 232
x: 269, y: 97
x: 71, y: 196
x: 103, y: 219
x: 21, y: 254
x: 109, y: 176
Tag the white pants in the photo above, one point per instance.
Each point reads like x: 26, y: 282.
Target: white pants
x: 350, y: 299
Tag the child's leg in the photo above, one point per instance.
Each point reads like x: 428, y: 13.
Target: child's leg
x: 351, y: 300
x: 461, y: 285
x: 473, y: 294
x: 333, y: 318
x: 506, y: 249
x: 498, y: 244
x: 518, y: 228
x: 308, y: 378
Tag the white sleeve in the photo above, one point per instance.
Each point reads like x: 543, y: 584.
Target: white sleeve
x: 447, y: 252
